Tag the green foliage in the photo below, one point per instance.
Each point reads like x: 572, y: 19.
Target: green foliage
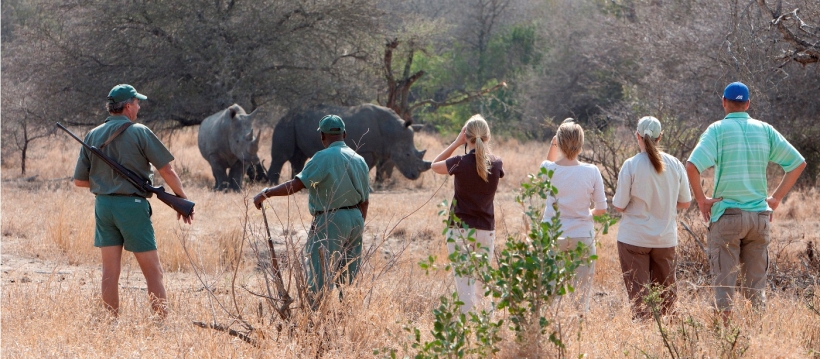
x: 509, y: 54
x: 531, y: 273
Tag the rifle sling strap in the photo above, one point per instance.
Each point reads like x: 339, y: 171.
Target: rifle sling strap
x: 116, y: 133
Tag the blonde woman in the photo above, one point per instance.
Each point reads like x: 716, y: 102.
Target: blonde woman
x: 580, y: 186
x: 652, y: 186
x: 476, y: 176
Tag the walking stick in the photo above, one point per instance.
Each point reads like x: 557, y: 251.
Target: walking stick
x: 284, y: 311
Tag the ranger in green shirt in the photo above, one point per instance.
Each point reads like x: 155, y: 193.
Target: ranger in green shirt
x: 121, y: 211
x: 338, y: 184
x: 739, y: 210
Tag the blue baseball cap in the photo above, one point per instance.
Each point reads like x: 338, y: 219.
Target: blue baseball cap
x: 332, y: 125
x: 736, y: 91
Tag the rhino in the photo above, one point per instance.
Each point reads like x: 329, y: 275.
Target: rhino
x: 227, y: 142
x: 376, y: 133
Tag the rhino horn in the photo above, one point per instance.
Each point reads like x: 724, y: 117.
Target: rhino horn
x: 256, y: 139
x: 253, y: 112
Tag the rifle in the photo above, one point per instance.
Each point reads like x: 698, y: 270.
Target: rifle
x: 181, y: 205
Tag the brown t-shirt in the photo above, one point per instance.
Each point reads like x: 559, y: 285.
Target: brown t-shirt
x: 473, y: 198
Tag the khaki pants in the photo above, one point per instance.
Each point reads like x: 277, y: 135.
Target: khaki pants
x: 469, y: 290
x: 739, y: 245
x: 643, y: 267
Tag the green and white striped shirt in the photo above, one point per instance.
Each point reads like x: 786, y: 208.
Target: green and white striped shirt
x: 740, y: 148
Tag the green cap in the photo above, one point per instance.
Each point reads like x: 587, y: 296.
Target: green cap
x: 332, y: 125
x: 124, y: 92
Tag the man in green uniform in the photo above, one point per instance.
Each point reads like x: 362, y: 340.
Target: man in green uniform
x: 121, y: 210
x: 337, y: 179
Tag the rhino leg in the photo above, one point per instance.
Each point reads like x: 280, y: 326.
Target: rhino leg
x: 220, y: 178
x: 384, y: 170
x: 235, y: 174
x: 297, y: 163
x: 277, y: 161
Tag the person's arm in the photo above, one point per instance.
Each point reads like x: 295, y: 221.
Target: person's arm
x: 81, y: 183
x: 440, y: 162
x: 785, y: 186
x: 554, y: 153
x: 683, y: 205
x: 285, y: 189
x: 623, y: 194
x: 172, y: 180
x: 599, y: 196
x: 704, y: 203
x: 363, y: 208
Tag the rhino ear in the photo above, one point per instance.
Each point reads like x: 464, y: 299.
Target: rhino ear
x: 232, y: 112
x: 407, y: 123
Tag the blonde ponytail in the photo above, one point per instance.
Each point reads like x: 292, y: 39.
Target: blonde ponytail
x: 478, y: 133
x: 482, y: 160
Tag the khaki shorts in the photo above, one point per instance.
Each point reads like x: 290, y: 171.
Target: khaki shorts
x: 739, y: 246
x: 124, y: 221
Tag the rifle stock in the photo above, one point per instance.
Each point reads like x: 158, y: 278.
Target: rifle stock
x: 179, y: 204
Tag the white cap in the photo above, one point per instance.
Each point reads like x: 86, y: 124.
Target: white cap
x: 649, y: 126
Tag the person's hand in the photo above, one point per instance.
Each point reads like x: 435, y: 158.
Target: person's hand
x: 705, y: 207
x: 773, y: 203
x: 462, y: 137
x: 259, y: 199
x: 187, y: 220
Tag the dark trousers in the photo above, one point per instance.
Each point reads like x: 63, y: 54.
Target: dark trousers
x: 644, y: 267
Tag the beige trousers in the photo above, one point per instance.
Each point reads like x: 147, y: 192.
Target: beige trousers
x: 469, y: 290
x: 739, y: 245
x: 583, y: 275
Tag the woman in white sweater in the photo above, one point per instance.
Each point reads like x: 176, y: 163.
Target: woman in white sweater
x: 652, y: 185
x: 580, y: 186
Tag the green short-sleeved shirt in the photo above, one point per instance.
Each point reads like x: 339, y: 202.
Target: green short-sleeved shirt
x: 136, y: 149
x: 335, y: 177
x: 740, y: 148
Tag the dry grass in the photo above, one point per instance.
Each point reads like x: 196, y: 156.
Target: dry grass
x: 51, y: 272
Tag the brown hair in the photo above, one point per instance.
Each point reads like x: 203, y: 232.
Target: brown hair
x: 653, y: 152
x: 570, y: 138
x: 478, y: 133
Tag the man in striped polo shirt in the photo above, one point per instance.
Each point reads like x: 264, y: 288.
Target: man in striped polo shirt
x: 740, y: 209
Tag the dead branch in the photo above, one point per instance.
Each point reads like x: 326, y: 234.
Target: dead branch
x: 465, y: 97
x: 230, y: 332
x: 697, y: 239
x: 806, y: 44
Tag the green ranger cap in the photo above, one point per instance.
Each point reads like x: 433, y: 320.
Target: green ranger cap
x: 332, y: 125
x: 124, y: 92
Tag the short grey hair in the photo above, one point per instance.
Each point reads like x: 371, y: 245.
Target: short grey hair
x: 118, y: 107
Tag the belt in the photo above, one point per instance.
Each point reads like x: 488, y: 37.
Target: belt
x: 124, y: 195
x: 355, y: 206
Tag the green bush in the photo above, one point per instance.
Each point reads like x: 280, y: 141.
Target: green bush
x: 530, y: 275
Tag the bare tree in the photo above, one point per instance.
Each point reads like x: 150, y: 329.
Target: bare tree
x: 194, y: 58
x: 804, y: 37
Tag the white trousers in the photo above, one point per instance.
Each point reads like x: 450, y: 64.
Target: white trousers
x: 469, y: 290
x: 583, y: 275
